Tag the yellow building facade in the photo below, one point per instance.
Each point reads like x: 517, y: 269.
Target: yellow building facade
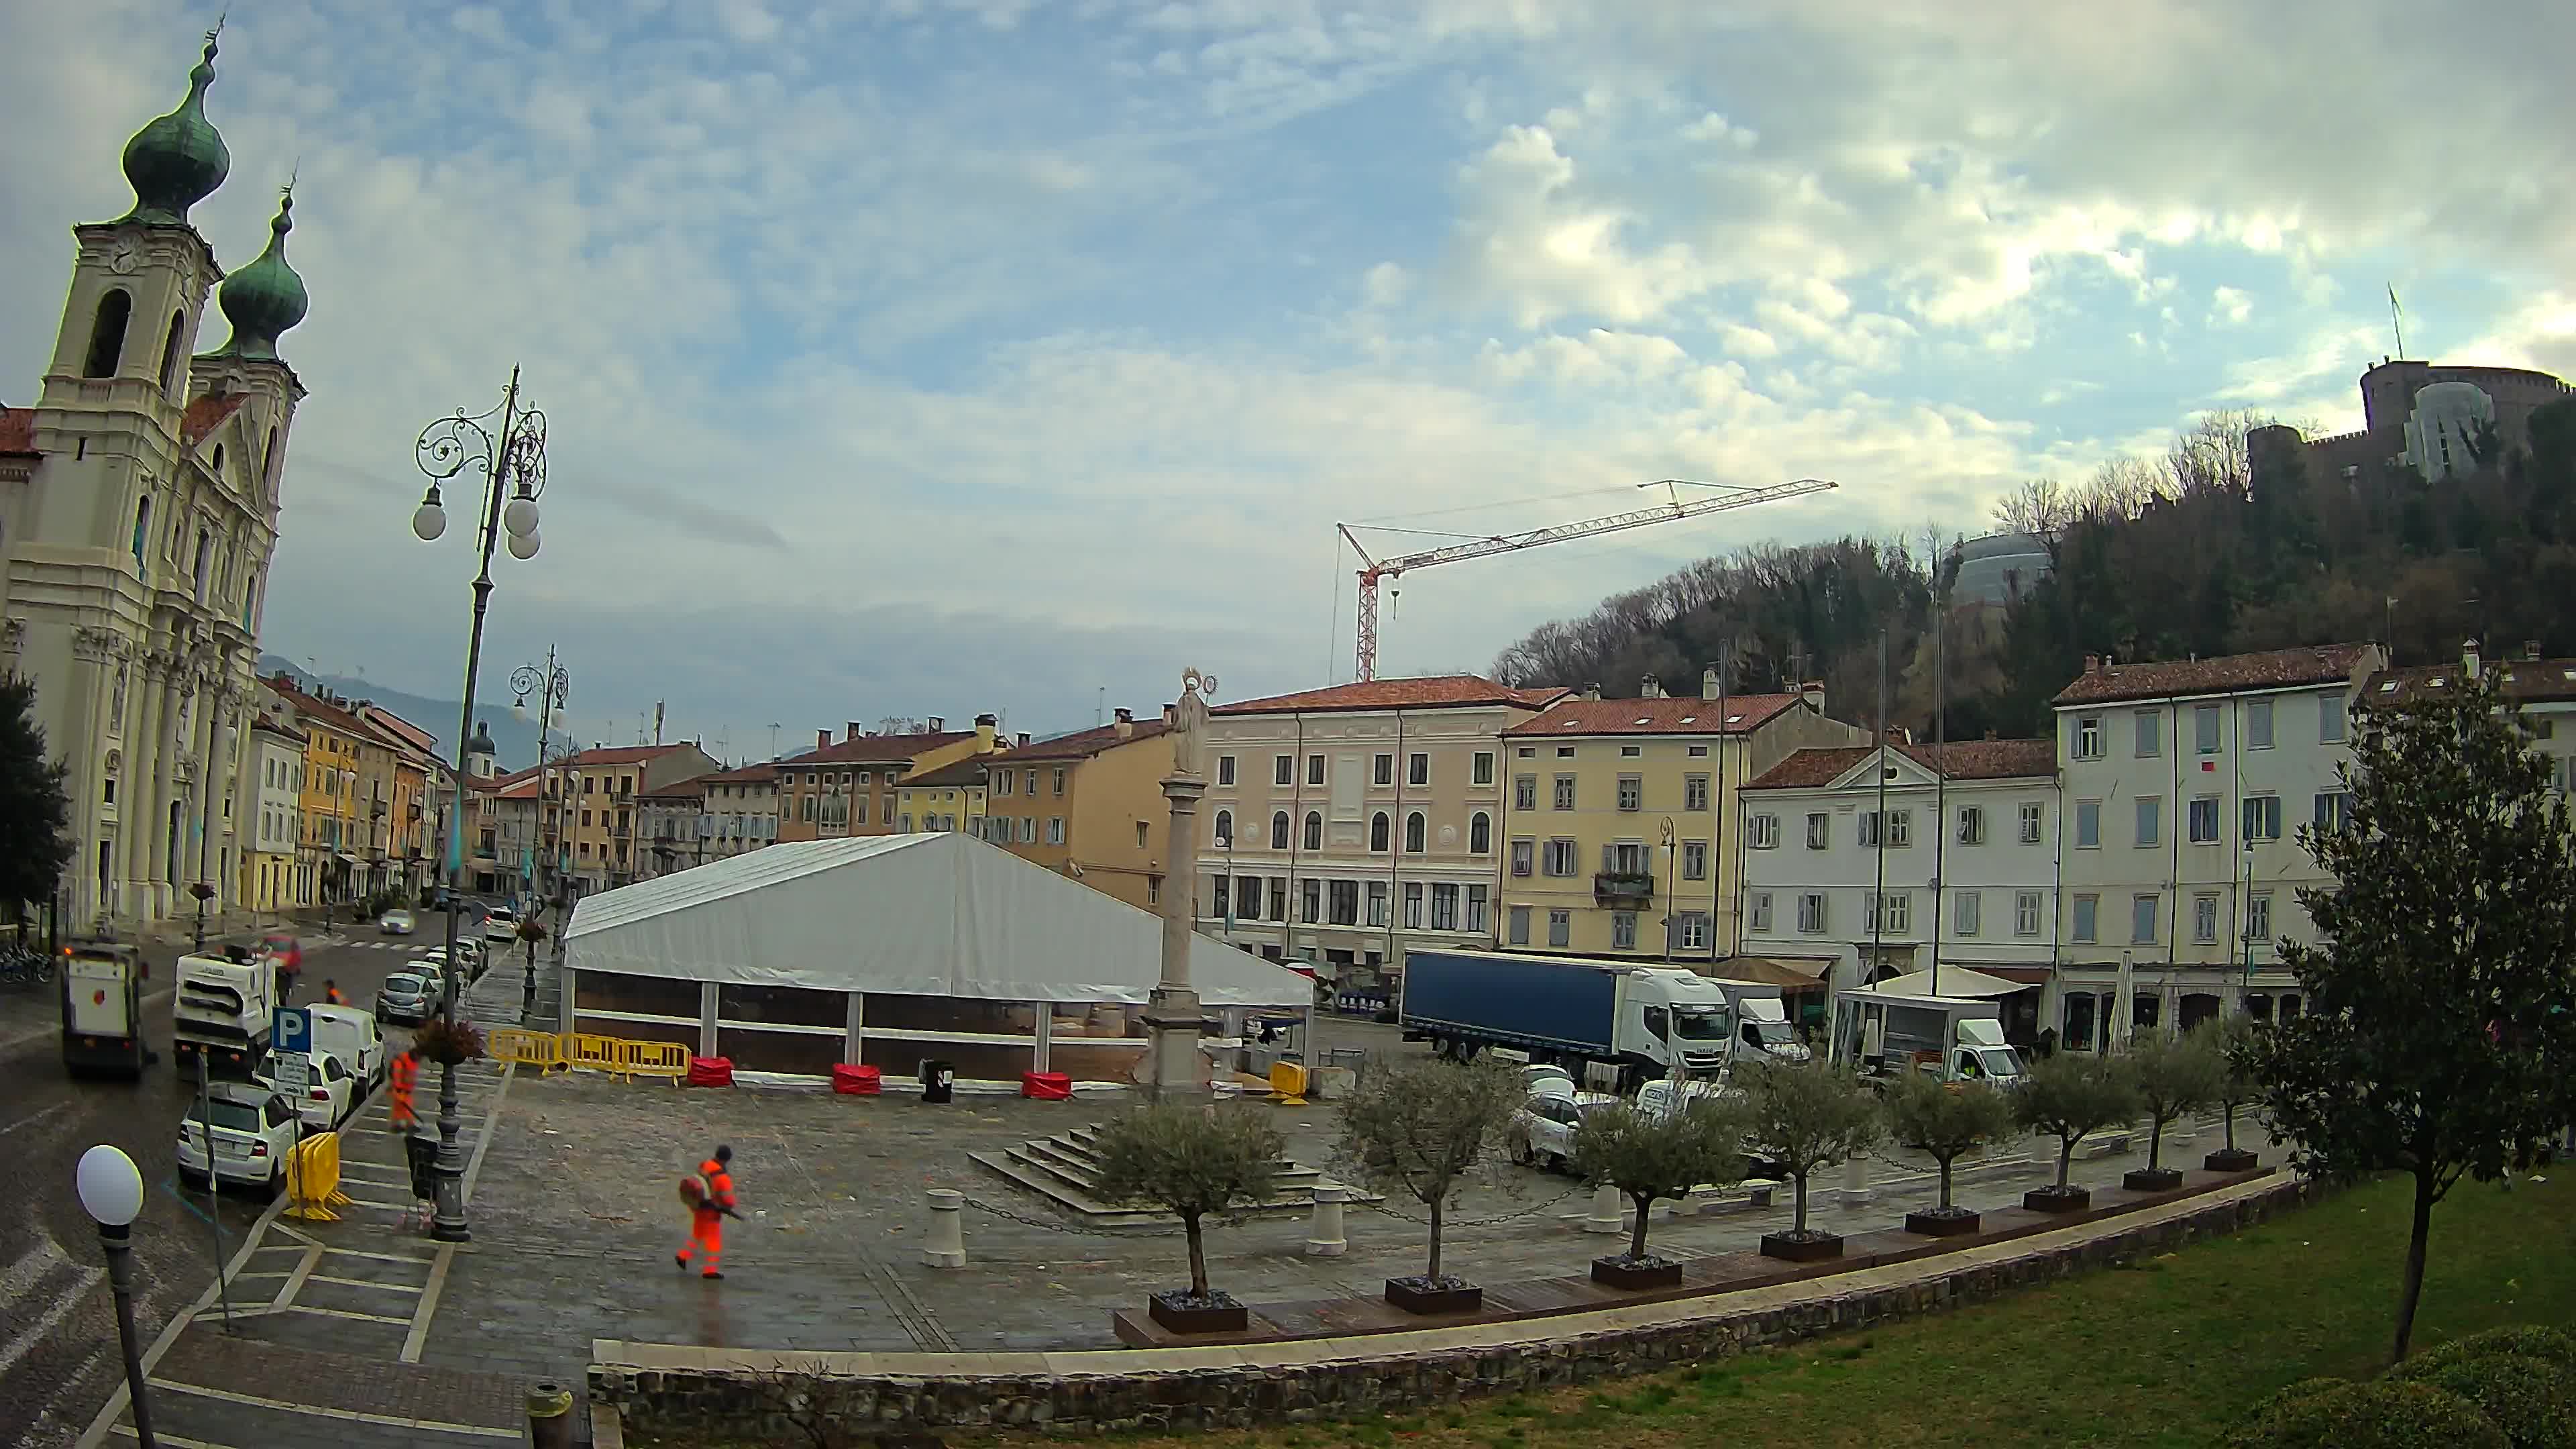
x: 1089, y: 805
x: 948, y: 797
x: 854, y: 786
x: 1620, y: 822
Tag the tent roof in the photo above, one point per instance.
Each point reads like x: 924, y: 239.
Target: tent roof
x: 1956, y: 981
x: 939, y: 914
x: 1787, y: 972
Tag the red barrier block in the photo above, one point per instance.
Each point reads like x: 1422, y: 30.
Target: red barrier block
x: 849, y: 1079
x: 1046, y: 1086
x: 710, y: 1071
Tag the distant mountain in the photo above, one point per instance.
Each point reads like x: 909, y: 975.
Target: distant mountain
x: 515, y: 739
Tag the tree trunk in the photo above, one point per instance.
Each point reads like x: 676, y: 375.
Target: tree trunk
x: 1945, y: 1183
x: 1198, y: 1254
x: 2155, y: 1142
x: 1799, y: 1223
x: 2227, y: 1121
x: 1433, y: 1272
x: 2065, y: 1160
x: 1637, y: 1237
x: 2411, y: 1288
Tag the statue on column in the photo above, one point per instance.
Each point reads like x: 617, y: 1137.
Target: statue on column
x: 1189, y: 719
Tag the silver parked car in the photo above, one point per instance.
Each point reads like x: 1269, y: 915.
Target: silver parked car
x: 406, y: 998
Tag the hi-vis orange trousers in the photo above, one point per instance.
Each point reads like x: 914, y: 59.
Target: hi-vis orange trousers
x: 706, y: 1236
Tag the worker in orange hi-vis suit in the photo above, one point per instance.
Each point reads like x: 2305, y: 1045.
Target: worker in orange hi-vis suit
x: 709, y: 1206
x: 404, y: 1074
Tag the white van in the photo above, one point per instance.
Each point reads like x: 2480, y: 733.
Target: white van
x: 351, y: 1035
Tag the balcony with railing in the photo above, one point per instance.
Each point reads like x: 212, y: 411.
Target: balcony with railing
x: 1623, y: 888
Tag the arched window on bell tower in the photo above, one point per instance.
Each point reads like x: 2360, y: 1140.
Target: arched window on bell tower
x: 171, y: 352
x: 107, y: 333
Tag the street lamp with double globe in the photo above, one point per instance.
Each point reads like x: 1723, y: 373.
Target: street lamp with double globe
x: 507, y: 445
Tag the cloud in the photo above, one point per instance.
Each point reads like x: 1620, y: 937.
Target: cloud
x: 2229, y: 307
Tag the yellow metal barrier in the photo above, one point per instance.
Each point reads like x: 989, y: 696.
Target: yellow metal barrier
x: 1288, y: 1083
x: 540, y: 1049
x: 313, y: 1179
x: 652, y: 1059
x: 599, y: 1053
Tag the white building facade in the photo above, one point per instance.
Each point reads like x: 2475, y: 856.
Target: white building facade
x: 2185, y: 782
x: 1872, y: 861
x: 1291, y: 860
x: 138, y: 513
x: 274, y: 812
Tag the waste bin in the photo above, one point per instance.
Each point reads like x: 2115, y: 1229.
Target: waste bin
x: 938, y: 1080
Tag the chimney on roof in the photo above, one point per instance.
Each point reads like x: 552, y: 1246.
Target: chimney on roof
x: 985, y: 727
x: 939, y: 724
x: 1592, y: 691
x: 2469, y: 658
x: 1126, y: 721
x: 822, y: 739
x: 1650, y: 689
x: 2092, y: 663
x: 1708, y: 686
x: 2531, y: 650
x: 1024, y: 737
x: 852, y: 730
x: 1813, y: 692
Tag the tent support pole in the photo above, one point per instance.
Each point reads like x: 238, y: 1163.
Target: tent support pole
x: 707, y: 1018
x: 854, y: 1040
x: 1041, y: 1054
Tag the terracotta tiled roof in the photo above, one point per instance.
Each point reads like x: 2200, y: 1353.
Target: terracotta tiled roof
x: 2533, y: 680
x: 623, y: 754
x: 2164, y: 678
x: 1438, y: 691
x: 1081, y: 744
x: 693, y: 789
x: 522, y: 788
x: 1574, y: 716
x: 274, y: 726
x: 875, y: 749
x: 319, y: 710
x: 1966, y: 760
x: 17, y: 431
x: 967, y: 772
x: 207, y: 414
x: 499, y: 783
x: 764, y: 773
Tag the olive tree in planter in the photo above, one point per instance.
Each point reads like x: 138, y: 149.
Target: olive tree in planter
x: 1419, y: 1126
x: 1945, y: 1120
x: 2173, y: 1075
x: 2071, y: 1096
x: 1650, y: 1155
x: 2233, y: 1039
x: 1808, y: 1118
x: 1192, y: 1161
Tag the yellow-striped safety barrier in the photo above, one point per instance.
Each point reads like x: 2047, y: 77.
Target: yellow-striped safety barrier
x: 313, y: 1179
x: 540, y: 1049
x: 652, y: 1059
x: 617, y: 1056
x: 599, y: 1053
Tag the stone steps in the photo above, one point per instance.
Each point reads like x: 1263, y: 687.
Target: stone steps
x: 1064, y: 1170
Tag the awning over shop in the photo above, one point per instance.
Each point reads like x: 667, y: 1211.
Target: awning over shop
x: 1789, y: 973
x: 1957, y: 981
x: 2026, y: 975
x: 941, y: 914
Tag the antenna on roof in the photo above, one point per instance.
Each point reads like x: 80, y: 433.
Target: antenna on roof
x: 2397, y: 319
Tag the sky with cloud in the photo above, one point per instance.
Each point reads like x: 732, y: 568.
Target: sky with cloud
x: 923, y: 357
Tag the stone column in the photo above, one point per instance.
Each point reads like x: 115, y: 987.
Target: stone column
x: 946, y: 1245
x: 1856, y: 1188
x: 1172, y: 1013
x: 139, y: 806
x: 1608, y: 1211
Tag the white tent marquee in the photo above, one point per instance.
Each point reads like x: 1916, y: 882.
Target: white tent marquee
x: 938, y: 914
x: 1955, y: 982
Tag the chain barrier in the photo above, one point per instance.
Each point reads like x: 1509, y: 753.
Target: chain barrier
x: 1068, y: 1229
x: 1446, y: 1223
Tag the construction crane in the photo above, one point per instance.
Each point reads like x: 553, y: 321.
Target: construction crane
x: 1376, y: 570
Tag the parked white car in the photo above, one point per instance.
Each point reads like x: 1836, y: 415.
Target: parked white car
x: 252, y: 1129
x: 502, y: 924
x: 396, y: 923
x: 1542, y: 1131
x: 330, y: 1095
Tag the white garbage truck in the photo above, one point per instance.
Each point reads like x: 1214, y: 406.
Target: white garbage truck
x: 1881, y: 1034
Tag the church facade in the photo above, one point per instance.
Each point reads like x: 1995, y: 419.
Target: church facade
x: 138, y: 516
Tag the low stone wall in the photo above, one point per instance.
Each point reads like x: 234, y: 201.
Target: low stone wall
x: 751, y: 1393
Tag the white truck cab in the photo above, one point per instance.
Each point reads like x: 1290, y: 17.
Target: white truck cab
x: 1954, y: 1038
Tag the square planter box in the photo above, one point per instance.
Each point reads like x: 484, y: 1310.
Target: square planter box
x: 1801, y: 1250
x: 1413, y: 1297
x: 2230, y: 1159
x: 1182, y: 1313
x: 2054, y: 1200
x: 2151, y: 1179
x: 1941, y: 1225
x: 1652, y: 1273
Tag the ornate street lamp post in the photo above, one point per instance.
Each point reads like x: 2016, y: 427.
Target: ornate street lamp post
x: 507, y: 445
x: 552, y: 688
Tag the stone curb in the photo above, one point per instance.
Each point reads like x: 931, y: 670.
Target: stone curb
x: 752, y: 1392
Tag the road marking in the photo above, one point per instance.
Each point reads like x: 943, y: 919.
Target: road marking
x: 295, y: 1281
x: 36, y: 1116
x: 483, y: 1144
x: 392, y: 1207
x: 173, y: 1440
x: 31, y: 1267
x: 426, y: 1308
x: 9, y: 1044
x: 351, y: 1416
x: 364, y: 1283
x: 338, y: 1313
x: 381, y: 1257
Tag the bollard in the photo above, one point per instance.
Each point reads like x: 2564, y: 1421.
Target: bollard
x: 947, y: 1245
x: 2185, y: 1127
x: 549, y: 1415
x: 1609, y: 1213
x: 1324, y: 1229
x: 1856, y: 1188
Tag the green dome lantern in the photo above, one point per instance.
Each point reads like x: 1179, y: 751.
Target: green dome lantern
x: 178, y: 160
x: 266, y: 298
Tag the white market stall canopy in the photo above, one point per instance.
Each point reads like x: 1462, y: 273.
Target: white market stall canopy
x: 1956, y: 981
x: 940, y: 914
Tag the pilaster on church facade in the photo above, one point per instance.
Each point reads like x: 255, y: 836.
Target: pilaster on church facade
x: 139, y: 502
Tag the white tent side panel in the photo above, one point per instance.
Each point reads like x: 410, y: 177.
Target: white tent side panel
x: 922, y: 915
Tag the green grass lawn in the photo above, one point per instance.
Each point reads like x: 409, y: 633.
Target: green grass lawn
x: 2168, y: 1352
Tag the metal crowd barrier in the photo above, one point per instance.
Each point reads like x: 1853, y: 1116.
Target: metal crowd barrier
x: 616, y: 1056
x: 313, y: 1179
